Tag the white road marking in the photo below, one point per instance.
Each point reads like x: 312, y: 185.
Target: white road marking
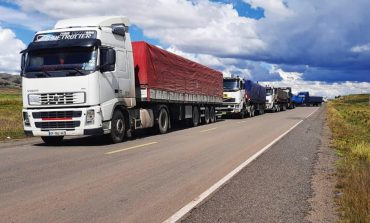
x: 129, y: 148
x: 192, y: 204
x: 311, y: 113
x: 207, y: 130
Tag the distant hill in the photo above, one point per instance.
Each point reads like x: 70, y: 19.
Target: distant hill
x: 9, y: 80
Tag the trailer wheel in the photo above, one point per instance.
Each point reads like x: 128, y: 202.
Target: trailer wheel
x: 163, y: 121
x: 195, y: 116
x: 212, y: 117
x: 52, y: 140
x: 118, y: 131
x: 252, y: 111
x: 243, y: 112
x: 206, y: 115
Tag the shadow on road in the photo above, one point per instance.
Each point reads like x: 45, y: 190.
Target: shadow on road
x: 104, y: 140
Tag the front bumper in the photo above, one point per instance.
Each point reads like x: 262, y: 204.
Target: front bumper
x: 227, y: 109
x: 269, y: 106
x: 68, y: 121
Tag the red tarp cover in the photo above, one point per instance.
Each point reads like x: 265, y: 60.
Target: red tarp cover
x: 159, y: 69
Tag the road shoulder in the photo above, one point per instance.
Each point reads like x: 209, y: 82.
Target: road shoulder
x: 324, y: 208
x: 276, y: 187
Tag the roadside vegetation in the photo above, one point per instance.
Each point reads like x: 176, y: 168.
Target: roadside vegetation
x: 349, y: 120
x: 10, y: 113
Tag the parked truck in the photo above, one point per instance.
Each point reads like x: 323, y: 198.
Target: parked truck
x: 276, y: 99
x: 242, y: 98
x: 304, y: 99
x: 86, y: 77
x: 291, y: 104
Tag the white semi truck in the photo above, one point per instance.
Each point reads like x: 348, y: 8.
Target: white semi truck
x: 86, y: 77
x: 242, y: 98
x: 277, y: 99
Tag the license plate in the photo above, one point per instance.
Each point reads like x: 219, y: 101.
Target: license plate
x: 57, y: 133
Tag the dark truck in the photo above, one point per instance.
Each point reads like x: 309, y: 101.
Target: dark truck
x: 256, y: 96
x: 288, y: 90
x: 276, y: 99
x: 304, y: 99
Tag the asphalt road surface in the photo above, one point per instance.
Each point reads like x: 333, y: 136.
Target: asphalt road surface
x: 275, y: 187
x: 146, y: 179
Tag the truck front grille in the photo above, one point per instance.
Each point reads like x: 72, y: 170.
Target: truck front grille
x: 229, y: 100
x: 58, y: 125
x: 57, y: 114
x: 62, y: 98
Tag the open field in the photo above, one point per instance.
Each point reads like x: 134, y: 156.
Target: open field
x: 10, y: 113
x: 349, y: 120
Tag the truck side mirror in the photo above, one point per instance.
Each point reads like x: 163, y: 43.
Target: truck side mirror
x: 107, y: 59
x: 119, y: 30
x: 23, y: 63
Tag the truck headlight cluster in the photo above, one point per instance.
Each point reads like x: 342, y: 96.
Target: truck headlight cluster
x: 26, y: 120
x: 90, y: 116
x: 34, y: 99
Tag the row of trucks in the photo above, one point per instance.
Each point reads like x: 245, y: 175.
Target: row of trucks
x: 305, y: 99
x: 244, y: 98
x: 86, y: 77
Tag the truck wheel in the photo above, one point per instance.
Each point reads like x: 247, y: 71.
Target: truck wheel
x: 52, y: 140
x: 212, y: 117
x: 195, y: 116
x: 118, y: 131
x: 163, y: 121
x: 243, y: 113
x: 252, y: 112
x: 206, y: 115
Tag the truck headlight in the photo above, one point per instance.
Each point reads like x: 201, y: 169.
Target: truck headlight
x: 90, y: 116
x: 26, y: 120
x: 34, y: 99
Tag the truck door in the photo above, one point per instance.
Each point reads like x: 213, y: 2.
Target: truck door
x: 123, y: 74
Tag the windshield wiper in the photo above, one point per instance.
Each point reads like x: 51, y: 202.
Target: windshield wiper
x: 43, y: 74
x: 77, y: 71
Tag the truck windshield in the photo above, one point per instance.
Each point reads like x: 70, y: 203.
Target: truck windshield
x: 268, y: 91
x: 231, y: 85
x: 60, y: 62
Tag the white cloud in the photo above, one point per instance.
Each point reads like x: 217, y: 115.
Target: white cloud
x: 203, y: 27
x: 32, y: 21
x: 312, y: 32
x: 271, y: 7
x: 9, y: 53
x: 361, y: 48
x: 319, y: 88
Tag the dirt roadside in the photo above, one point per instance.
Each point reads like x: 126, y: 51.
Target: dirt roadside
x: 323, y: 207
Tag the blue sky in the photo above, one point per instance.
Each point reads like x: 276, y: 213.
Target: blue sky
x: 277, y: 41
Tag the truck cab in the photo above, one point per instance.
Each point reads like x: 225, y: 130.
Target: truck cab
x: 234, y: 100
x: 86, y: 77
x: 74, y: 75
x: 270, y: 99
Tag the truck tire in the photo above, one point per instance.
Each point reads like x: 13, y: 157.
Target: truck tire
x: 252, y: 112
x: 212, y: 117
x: 52, y: 140
x: 118, y: 130
x: 195, y: 116
x: 243, y: 113
x: 163, y: 121
x: 206, y: 115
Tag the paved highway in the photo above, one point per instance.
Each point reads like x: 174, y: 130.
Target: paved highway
x: 146, y: 179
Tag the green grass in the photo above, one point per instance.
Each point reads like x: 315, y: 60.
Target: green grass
x: 11, y: 125
x: 349, y: 120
